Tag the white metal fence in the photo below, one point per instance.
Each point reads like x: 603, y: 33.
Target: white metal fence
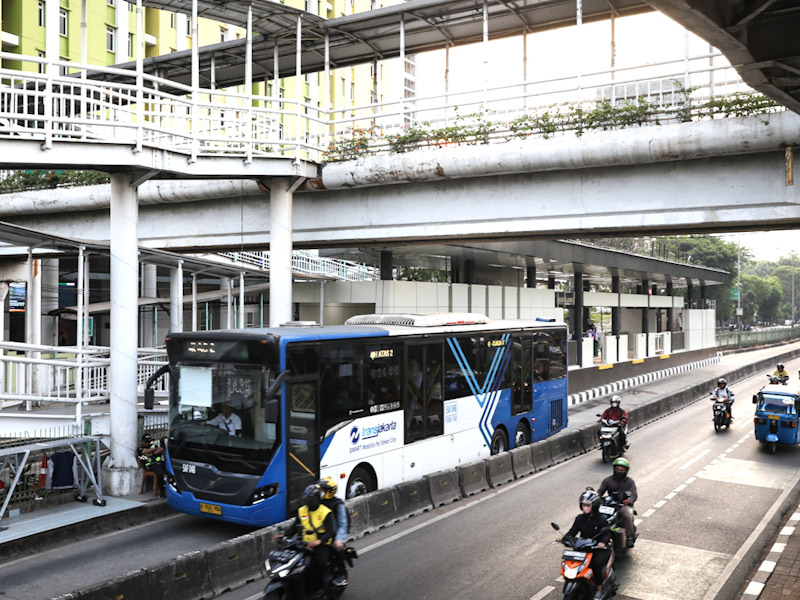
x: 309, y: 263
x: 219, y: 122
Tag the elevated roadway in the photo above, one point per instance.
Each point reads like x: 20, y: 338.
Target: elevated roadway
x: 708, y: 503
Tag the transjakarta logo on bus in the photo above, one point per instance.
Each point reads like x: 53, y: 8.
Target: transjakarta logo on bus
x: 371, y: 432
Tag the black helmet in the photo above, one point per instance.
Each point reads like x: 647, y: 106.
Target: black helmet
x: 721, y: 381
x: 780, y: 366
x: 589, y: 496
x: 147, y: 438
x: 615, y: 400
x: 312, y: 497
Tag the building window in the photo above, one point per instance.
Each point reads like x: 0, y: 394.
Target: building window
x: 111, y: 38
x: 352, y: 91
x: 111, y: 2
x: 41, y: 65
x: 223, y: 34
x: 62, y: 69
x: 188, y: 25
x: 63, y: 22
x: 41, y: 14
x: 131, y: 48
x: 172, y: 20
x: 306, y: 102
x: 131, y: 7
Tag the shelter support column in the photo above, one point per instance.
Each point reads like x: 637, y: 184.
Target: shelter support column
x: 149, y: 290
x: 577, y: 315
x: 120, y: 472
x: 670, y: 310
x: 530, y: 276
x: 280, y: 251
x: 646, y: 316
x: 469, y: 271
x: 386, y: 265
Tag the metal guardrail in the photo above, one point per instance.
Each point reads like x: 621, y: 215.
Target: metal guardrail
x: 305, y: 262
x: 50, y: 108
x: 771, y: 335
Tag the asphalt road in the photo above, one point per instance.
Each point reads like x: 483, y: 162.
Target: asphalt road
x: 708, y: 503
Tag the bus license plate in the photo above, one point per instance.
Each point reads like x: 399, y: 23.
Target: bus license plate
x: 212, y: 509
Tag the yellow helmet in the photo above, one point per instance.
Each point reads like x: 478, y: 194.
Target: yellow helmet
x: 329, y: 487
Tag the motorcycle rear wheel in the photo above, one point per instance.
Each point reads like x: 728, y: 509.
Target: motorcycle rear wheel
x: 606, y: 453
x: 580, y: 592
x: 717, y: 423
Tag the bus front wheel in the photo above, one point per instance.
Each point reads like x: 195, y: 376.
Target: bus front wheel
x: 360, y: 483
x: 499, y: 442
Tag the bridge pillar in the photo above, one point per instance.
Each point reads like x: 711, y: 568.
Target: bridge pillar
x: 469, y: 271
x: 646, y: 316
x: 386, y: 265
x: 176, y: 298
x: 280, y: 251
x: 120, y: 472
x: 530, y: 276
x: 49, y: 300
x: 577, y: 314
x: 689, y: 293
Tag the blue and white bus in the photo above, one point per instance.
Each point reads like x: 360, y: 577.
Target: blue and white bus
x: 380, y: 400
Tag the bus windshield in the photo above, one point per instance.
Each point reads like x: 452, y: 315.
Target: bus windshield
x: 217, y: 416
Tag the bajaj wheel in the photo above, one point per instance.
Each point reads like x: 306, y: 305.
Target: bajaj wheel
x: 772, y: 446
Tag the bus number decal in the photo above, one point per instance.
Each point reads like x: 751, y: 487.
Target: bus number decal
x: 187, y: 468
x: 450, y: 412
x: 375, y: 354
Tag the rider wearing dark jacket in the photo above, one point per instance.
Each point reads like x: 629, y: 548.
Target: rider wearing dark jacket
x: 619, y: 483
x: 589, y: 524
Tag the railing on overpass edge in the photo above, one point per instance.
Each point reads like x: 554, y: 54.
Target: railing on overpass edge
x: 755, y: 337
x: 50, y: 108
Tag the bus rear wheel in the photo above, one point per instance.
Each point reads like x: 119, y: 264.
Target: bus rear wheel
x: 522, y: 437
x: 360, y: 483
x: 499, y: 442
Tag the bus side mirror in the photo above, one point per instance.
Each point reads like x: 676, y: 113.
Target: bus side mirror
x: 271, y: 411
x: 755, y: 398
x: 149, y: 398
x: 273, y: 389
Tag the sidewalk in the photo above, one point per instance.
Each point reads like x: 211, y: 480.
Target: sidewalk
x: 778, y: 577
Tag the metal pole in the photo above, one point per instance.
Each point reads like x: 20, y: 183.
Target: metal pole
x: 402, y: 71
x: 327, y: 88
x: 195, y: 83
x: 248, y: 76
x: 84, y: 58
x: 79, y: 341
x: 322, y: 302
x: 485, y: 52
x: 578, y: 26
x: 298, y: 67
x: 194, y: 301
x: 241, y: 300
x: 139, y: 74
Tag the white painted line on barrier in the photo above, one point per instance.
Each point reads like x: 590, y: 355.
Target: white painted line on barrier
x: 754, y: 588
x: 696, y: 458
x: 768, y: 566
x: 543, y: 593
x: 787, y: 531
x: 795, y: 517
x: 778, y: 547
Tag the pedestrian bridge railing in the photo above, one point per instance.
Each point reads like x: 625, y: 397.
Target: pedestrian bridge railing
x: 36, y: 376
x: 309, y: 263
x: 69, y: 101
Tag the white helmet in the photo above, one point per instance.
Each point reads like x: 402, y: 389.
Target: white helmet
x: 615, y: 401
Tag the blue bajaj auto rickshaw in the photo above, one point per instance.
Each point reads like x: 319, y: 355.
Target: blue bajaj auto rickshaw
x: 776, y: 417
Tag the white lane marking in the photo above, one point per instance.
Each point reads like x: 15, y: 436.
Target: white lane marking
x: 648, y: 513
x: 713, y: 592
x: 741, y: 441
x: 696, y: 458
x: 457, y: 510
x: 691, y: 480
x: 543, y: 593
x: 670, y: 496
x: 680, y: 488
x: 721, y: 456
x: 659, y: 504
x: 637, y: 522
x: 734, y: 446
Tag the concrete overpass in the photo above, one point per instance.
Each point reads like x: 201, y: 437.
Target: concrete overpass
x: 719, y: 175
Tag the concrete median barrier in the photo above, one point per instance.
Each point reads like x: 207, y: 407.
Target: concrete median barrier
x: 521, y: 461
x: 540, y: 455
x: 565, y: 446
x: 589, y: 439
x: 182, y: 578
x: 382, y: 508
x: 472, y: 478
x: 413, y: 498
x: 499, y: 469
x: 233, y: 563
x: 132, y: 586
x: 358, y: 508
x: 443, y: 487
x: 263, y: 539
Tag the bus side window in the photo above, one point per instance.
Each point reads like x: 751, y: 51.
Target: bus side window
x: 434, y: 401
x: 341, y: 379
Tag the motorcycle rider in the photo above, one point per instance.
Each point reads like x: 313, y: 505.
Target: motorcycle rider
x: 315, y: 522
x: 616, y: 413
x: 724, y: 394
x: 781, y: 372
x: 619, y: 482
x: 588, y: 524
x: 337, y: 507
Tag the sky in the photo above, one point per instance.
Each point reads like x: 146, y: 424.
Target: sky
x: 640, y: 40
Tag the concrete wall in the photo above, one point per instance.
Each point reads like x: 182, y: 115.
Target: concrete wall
x: 698, y: 328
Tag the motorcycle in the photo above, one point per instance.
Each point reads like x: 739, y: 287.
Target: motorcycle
x: 722, y: 416
x: 775, y: 380
x: 578, y: 575
x: 286, y: 571
x: 610, y: 509
x: 610, y: 442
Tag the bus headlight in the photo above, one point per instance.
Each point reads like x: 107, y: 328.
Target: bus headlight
x: 172, y: 482
x: 262, y: 493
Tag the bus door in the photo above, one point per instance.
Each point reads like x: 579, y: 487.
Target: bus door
x: 302, y: 467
